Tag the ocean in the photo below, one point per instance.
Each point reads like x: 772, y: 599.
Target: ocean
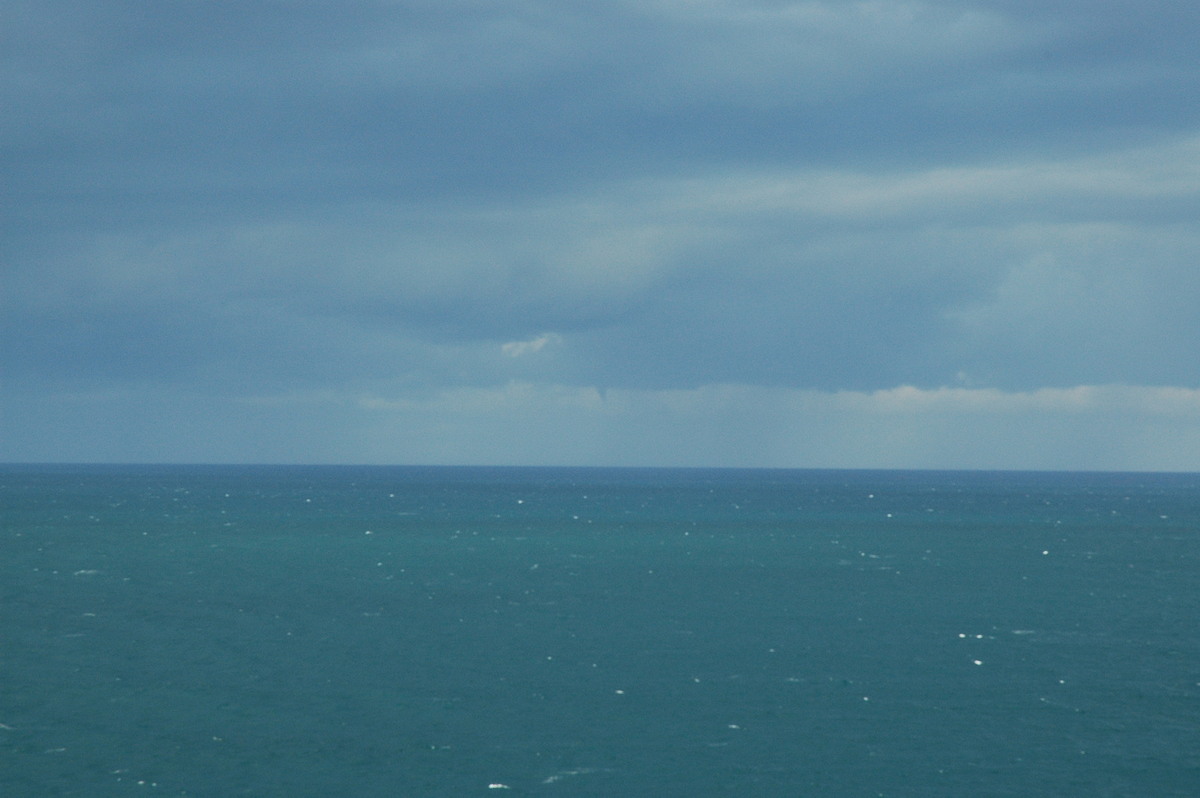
x: 378, y: 631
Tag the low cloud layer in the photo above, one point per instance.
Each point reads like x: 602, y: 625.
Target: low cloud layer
x: 786, y: 212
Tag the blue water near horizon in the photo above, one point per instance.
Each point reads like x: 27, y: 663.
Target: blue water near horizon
x: 405, y: 631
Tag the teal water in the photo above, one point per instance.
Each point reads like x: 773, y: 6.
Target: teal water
x: 223, y: 631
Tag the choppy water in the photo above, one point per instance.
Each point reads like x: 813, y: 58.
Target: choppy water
x: 222, y: 631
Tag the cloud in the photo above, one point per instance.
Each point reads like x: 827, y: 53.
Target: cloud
x: 627, y: 202
x: 776, y: 54
x: 522, y: 348
x: 1082, y: 427
x: 1135, y: 183
x: 804, y: 278
x: 1113, y: 427
x: 264, y: 102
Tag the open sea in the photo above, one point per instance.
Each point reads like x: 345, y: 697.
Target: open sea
x: 377, y: 631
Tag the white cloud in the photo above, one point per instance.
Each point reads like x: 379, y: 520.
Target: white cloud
x: 520, y: 348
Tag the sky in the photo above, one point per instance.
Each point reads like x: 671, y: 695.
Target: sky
x: 879, y: 234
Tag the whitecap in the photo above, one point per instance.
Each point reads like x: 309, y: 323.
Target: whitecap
x: 562, y: 774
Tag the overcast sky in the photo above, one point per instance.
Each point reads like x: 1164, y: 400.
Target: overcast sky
x: 655, y: 232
